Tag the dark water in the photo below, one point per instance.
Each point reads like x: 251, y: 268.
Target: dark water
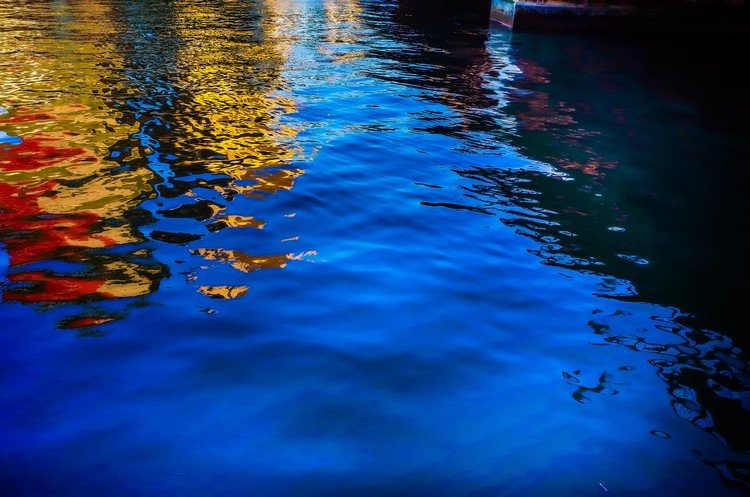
x: 308, y: 248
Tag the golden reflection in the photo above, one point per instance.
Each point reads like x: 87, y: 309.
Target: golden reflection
x: 118, y: 98
x: 344, y: 27
x: 241, y: 222
x: 128, y: 280
x: 59, y: 195
x: 242, y: 261
x: 235, y: 112
x: 269, y: 183
x: 223, y: 292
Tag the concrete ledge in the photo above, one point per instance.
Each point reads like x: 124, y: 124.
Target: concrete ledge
x: 504, y: 12
x: 633, y: 15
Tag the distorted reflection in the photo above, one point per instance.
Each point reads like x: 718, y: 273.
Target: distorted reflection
x: 531, y: 253
x: 121, y: 131
x: 344, y: 30
x: 63, y: 205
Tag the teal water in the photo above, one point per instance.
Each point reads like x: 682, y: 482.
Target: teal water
x: 307, y: 248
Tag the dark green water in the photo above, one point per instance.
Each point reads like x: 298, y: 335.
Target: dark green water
x: 279, y: 248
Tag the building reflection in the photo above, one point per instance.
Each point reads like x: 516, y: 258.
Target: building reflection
x: 209, y: 111
x: 62, y: 202
x: 618, y: 119
x: 609, y: 124
x: 140, y: 121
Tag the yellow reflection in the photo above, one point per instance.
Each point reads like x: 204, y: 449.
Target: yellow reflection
x: 234, y: 110
x: 58, y: 193
x: 223, y: 292
x: 244, y: 262
x: 128, y: 280
x: 64, y: 191
x: 344, y: 27
x: 241, y: 222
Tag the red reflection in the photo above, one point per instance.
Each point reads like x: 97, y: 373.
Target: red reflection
x: 32, y: 235
x: 39, y: 152
x: 86, y: 321
x: 54, y: 288
x: 24, y: 118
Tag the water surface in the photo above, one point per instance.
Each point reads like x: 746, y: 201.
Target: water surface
x: 337, y: 247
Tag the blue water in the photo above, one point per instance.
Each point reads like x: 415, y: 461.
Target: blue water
x: 308, y: 248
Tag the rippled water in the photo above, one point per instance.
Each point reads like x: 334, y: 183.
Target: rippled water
x: 336, y: 247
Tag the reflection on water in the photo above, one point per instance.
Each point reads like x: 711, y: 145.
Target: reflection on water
x: 64, y: 204
x: 123, y: 129
x: 528, y: 254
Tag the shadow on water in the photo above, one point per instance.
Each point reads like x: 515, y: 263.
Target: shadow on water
x: 637, y: 199
x: 646, y: 142
x: 620, y: 120
x: 623, y: 119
